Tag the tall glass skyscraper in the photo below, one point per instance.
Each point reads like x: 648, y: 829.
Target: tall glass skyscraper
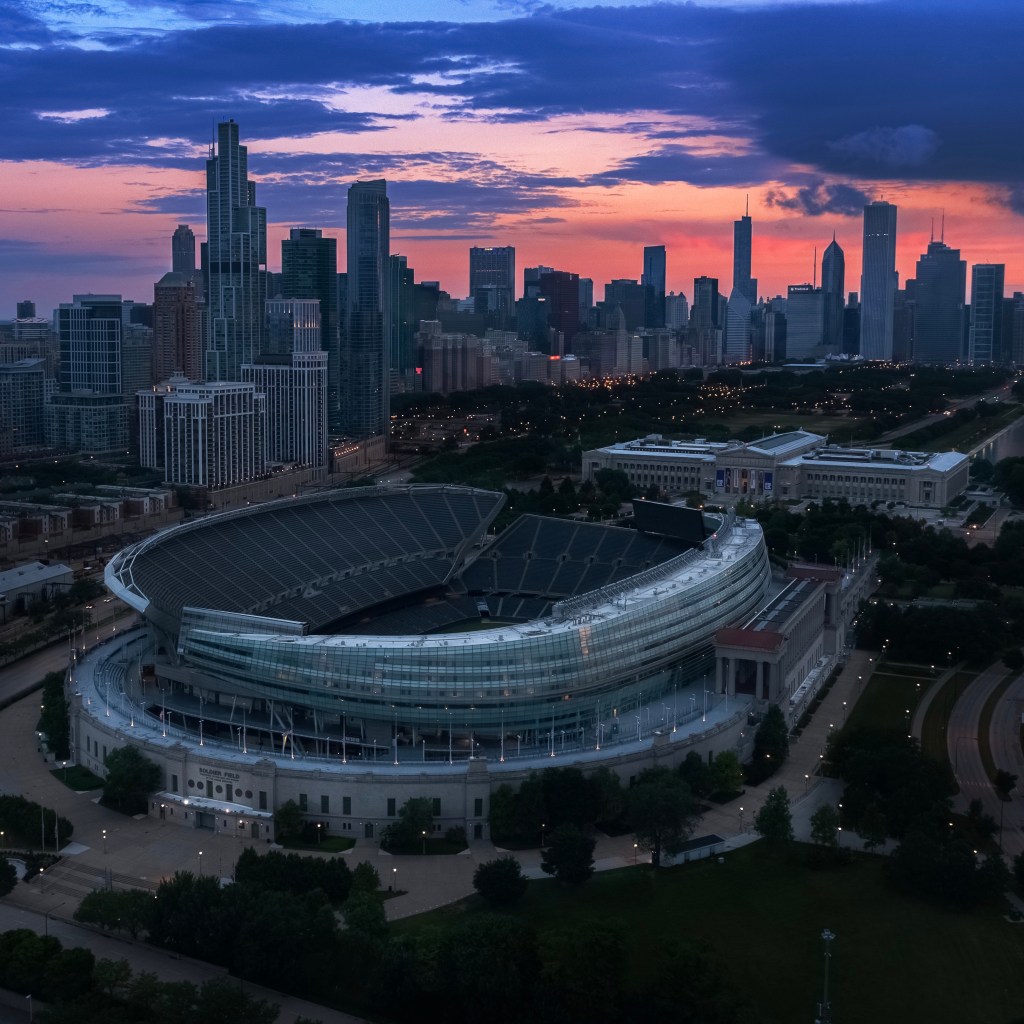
x: 366, y: 407
x: 939, y: 319
x: 742, y: 247
x: 987, y: 314
x: 833, y: 278
x: 236, y: 232
x: 878, y: 280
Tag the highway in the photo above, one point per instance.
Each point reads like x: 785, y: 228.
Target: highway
x: 965, y: 754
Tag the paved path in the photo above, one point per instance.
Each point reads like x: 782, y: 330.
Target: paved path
x: 965, y: 753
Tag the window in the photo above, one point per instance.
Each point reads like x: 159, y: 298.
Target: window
x: 303, y: 802
x: 391, y: 806
x: 325, y: 804
x: 174, y: 783
x: 478, y: 807
x: 346, y: 805
x: 263, y: 799
x: 435, y: 807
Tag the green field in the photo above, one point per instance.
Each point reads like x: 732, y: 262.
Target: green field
x: 894, y: 959
x: 887, y: 698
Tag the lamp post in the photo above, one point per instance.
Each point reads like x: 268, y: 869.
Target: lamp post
x: 200, y: 863
x: 104, y: 840
x: 319, y: 832
x: 741, y: 819
x: 825, y: 1007
x: 542, y: 827
x: 424, y: 839
x: 635, y: 845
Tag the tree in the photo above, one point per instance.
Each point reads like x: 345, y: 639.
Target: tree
x: 872, y: 827
x: 1004, y: 782
x: 131, y: 777
x: 825, y: 826
x: 569, y: 855
x: 774, y: 821
x: 364, y: 915
x: 694, y: 771
x: 1018, y: 869
x: 726, y: 774
x: 288, y: 819
x: 53, y: 719
x: 365, y: 877
x: 771, y: 744
x: 415, y: 817
x: 662, y: 811
x: 8, y: 876
x: 500, y: 882
x: 583, y: 970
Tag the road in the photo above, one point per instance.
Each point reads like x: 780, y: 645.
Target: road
x: 965, y: 753
x: 1001, y: 392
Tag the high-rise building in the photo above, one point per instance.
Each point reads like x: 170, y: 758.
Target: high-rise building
x: 940, y: 292
x: 177, y: 328
x: 203, y: 435
x: 183, y: 250
x: 236, y: 259
x: 402, y: 309
x: 492, y: 280
x: 632, y: 298
x: 309, y: 270
x: 26, y: 310
x: 89, y: 333
x: 704, y: 331
x: 878, y: 280
x: 562, y: 290
x: 737, y: 344
x: 365, y: 376
x: 22, y: 396
x: 293, y: 378
x: 805, y: 321
x: 987, y: 314
x: 833, y: 283
x: 742, y: 249
x: 677, y: 311
x: 655, y: 269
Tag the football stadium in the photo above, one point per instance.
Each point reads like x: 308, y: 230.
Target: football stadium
x: 352, y: 648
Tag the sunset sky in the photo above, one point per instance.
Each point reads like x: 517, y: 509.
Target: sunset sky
x: 576, y: 133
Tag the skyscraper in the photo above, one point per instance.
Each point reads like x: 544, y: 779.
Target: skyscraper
x: 939, y: 320
x: 177, y: 328
x: 236, y: 232
x: 183, y: 250
x: 654, y: 280
x: 987, y: 314
x: 492, y: 280
x: 26, y: 309
x: 742, y: 245
x: 365, y: 406
x: 878, y: 280
x: 309, y: 270
x: 562, y: 290
x: 833, y: 278
x: 805, y: 321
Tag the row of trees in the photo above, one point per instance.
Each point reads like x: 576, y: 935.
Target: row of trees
x: 83, y: 990
x: 24, y: 821
x: 54, y: 723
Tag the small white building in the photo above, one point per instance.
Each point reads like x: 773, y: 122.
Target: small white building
x: 25, y: 584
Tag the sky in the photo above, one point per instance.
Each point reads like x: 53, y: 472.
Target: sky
x: 576, y: 132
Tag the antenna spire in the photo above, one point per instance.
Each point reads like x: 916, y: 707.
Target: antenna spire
x: 746, y: 212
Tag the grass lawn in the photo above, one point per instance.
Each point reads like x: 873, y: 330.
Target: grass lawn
x: 330, y: 844
x: 894, y: 959
x: 886, y: 699
x: 78, y: 778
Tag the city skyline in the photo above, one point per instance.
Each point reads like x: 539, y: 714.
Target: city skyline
x: 502, y: 127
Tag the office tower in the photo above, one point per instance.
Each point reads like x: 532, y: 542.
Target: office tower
x: 654, y: 280
x: 26, y: 310
x: 1013, y: 327
x: 22, y: 396
x: 742, y: 245
x: 987, y: 314
x: 562, y: 290
x: 939, y: 321
x: 677, y: 311
x: 878, y: 280
x: 365, y: 406
x: 492, y: 280
x: 632, y: 298
x: 851, y: 325
x: 586, y: 298
x: 805, y: 321
x: 309, y: 270
x: 183, y: 250
x: 89, y: 412
x: 292, y: 376
x: 704, y: 311
x: 531, y: 280
x: 236, y: 255
x: 904, y: 317
x: 203, y: 435
x: 833, y: 284
x: 404, y: 306
x: 177, y: 328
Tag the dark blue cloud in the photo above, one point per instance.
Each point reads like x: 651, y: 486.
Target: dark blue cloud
x: 889, y: 89
x: 820, y: 198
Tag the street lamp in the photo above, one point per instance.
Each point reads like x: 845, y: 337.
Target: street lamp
x: 542, y: 826
x: 424, y: 835
x: 635, y: 845
x: 741, y: 819
x: 319, y: 826
x: 825, y: 1007
x: 200, y: 863
x: 104, y: 840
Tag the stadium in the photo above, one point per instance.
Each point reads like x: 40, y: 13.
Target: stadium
x: 383, y: 642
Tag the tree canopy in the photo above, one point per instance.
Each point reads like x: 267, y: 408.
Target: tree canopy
x: 662, y: 811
